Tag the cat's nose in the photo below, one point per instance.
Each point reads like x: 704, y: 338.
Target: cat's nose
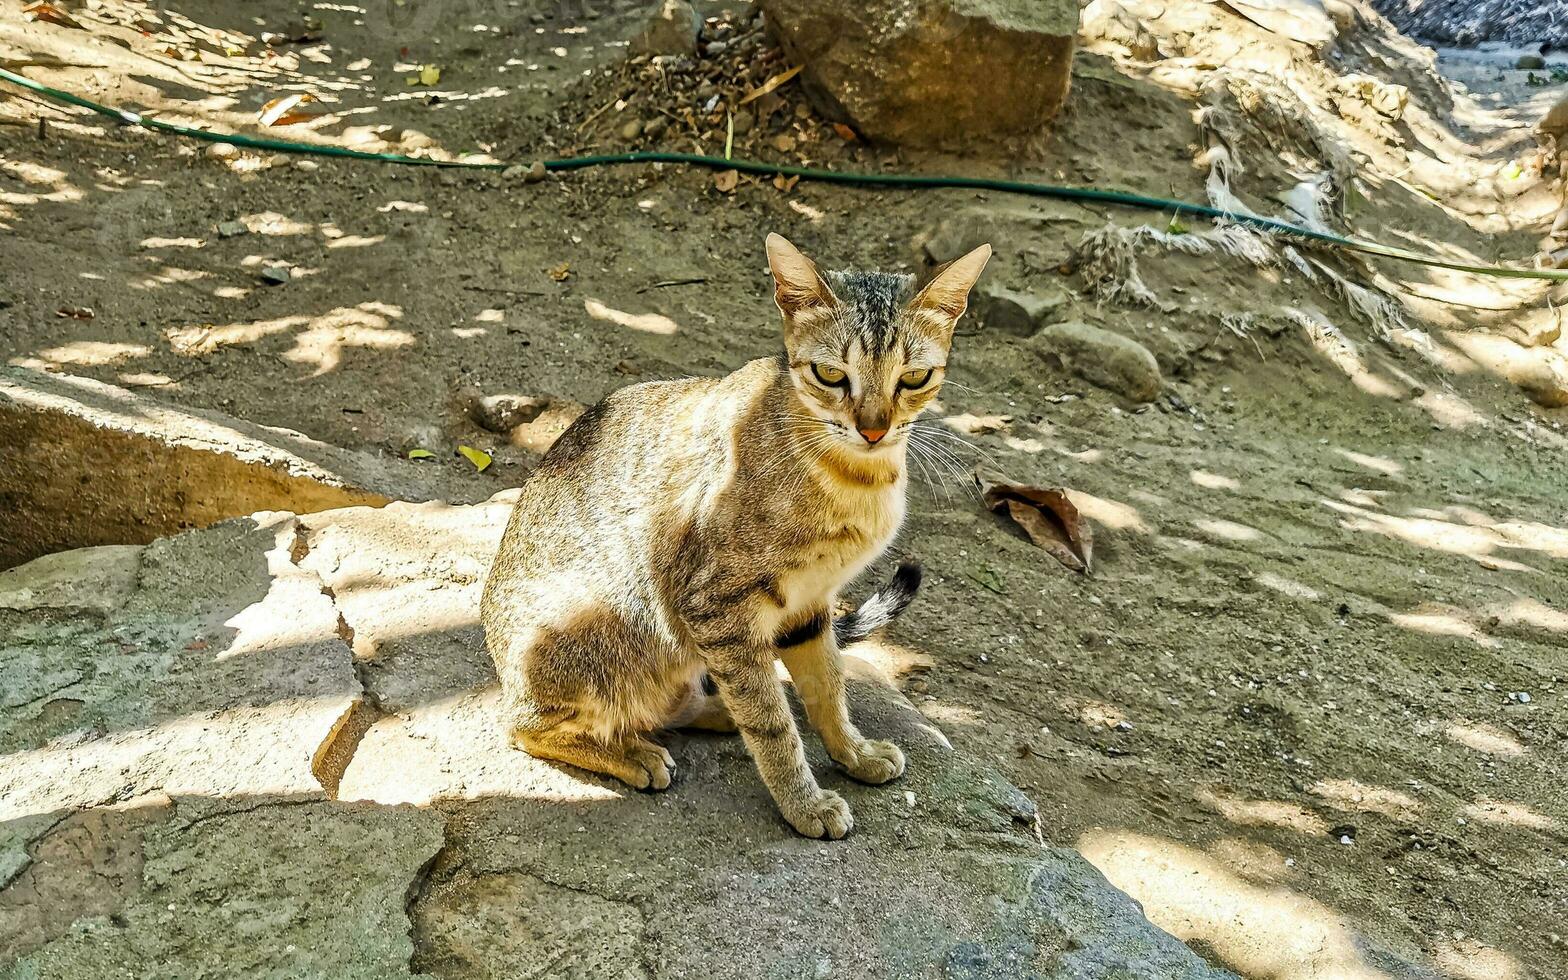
x: 872, y: 436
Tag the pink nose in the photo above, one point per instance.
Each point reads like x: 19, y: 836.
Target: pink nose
x: 873, y: 436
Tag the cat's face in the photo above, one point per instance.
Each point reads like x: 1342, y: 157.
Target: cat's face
x: 867, y: 352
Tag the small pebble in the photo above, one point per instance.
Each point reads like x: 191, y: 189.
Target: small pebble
x: 222, y: 151
x: 1523, y: 697
x: 631, y: 129
x: 306, y: 165
x: 231, y: 229
x: 275, y: 275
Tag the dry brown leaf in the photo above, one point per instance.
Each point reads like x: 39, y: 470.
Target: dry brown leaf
x: 770, y: 85
x: 785, y: 184
x: 50, y: 14
x: 284, y: 110
x: 561, y: 272
x: 75, y: 312
x: 845, y: 133
x: 1046, y: 514
x: 725, y: 181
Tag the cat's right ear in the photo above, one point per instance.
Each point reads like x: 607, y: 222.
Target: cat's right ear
x: 797, y: 285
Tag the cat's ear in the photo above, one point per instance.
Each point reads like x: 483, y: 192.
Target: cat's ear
x: 797, y: 285
x: 947, y: 291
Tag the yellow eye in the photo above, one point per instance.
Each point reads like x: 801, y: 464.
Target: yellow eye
x: 828, y: 375
x: 915, y: 379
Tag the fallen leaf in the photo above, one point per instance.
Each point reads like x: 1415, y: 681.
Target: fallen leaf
x: 1046, y: 514
x: 770, y: 85
x: 785, y: 184
x: 75, y: 312
x: 987, y: 577
x: 421, y: 454
x: 784, y: 143
x: 845, y: 133
x: 478, y: 457
x: 428, y: 75
x: 50, y: 14
x: 283, y: 111
x: 560, y: 272
x: 196, y: 645
x: 725, y: 181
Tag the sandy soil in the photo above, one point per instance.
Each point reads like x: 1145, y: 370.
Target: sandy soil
x: 1308, y: 708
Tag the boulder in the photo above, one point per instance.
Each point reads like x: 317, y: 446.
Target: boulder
x: 187, y: 789
x: 1014, y: 311
x: 671, y: 29
x: 931, y: 72
x: 1102, y: 358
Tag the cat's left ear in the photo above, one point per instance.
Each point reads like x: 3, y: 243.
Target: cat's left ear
x: 947, y: 292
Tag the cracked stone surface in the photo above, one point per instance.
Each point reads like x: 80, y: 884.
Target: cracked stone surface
x: 273, y: 748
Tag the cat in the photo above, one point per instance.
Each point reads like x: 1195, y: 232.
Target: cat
x: 681, y: 536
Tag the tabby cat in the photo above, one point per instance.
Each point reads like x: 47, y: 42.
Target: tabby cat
x: 686, y: 530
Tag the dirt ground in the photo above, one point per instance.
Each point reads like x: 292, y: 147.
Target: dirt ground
x: 1309, y: 706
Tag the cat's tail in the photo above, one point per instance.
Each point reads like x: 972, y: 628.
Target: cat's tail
x: 881, y: 609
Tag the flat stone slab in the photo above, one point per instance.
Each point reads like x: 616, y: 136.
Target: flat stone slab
x: 106, y: 465
x: 274, y: 747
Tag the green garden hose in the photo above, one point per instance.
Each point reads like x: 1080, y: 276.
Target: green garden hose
x: 851, y: 178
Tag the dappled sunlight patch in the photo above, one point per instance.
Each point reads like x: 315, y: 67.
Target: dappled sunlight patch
x: 273, y: 224
x: 1263, y: 813
x: 1084, y: 455
x: 1449, y: 410
x: 1377, y: 464
x: 319, y: 344
x: 1484, y: 738
x: 1362, y: 497
x: 1467, y: 959
x: 646, y: 322
x: 1436, y: 619
x: 1253, y: 860
x: 1529, y: 612
x: 1500, y: 813
x: 944, y: 713
x: 1097, y: 714
x: 93, y: 353
x: 1341, y: 352
x: 1475, y: 541
x: 1540, y: 371
x: 1355, y: 796
x: 1258, y: 930
x: 172, y: 243
x: 1111, y: 513
x: 1286, y: 586
x: 1213, y: 481
x: 1229, y: 530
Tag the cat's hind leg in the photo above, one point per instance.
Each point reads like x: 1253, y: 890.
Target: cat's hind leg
x: 633, y: 760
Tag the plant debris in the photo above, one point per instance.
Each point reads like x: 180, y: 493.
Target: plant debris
x: 1046, y: 514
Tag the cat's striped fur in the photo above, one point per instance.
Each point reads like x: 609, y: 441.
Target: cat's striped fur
x: 705, y: 527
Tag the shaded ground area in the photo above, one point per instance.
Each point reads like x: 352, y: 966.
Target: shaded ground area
x: 1308, y: 709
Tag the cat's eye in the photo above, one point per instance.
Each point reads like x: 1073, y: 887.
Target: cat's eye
x: 828, y: 374
x: 917, y: 378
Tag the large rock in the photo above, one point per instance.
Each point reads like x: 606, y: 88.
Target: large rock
x: 932, y: 72
x: 87, y: 463
x: 1102, y: 358
x: 276, y: 748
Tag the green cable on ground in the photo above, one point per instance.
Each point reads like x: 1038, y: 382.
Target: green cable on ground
x: 847, y: 177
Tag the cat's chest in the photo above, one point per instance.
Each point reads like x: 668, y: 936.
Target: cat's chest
x: 845, y: 543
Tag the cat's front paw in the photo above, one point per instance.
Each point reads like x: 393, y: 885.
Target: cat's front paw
x: 875, y: 762
x: 826, y: 815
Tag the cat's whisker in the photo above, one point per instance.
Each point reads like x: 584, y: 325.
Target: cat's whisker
x: 952, y: 437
